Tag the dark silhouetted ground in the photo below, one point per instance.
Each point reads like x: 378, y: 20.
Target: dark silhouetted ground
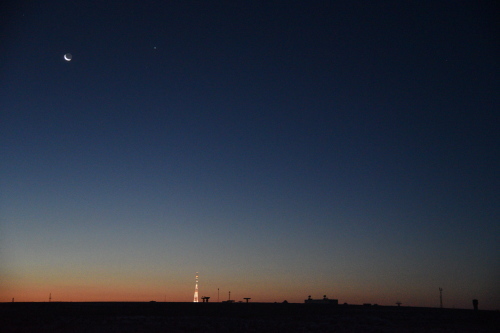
x: 238, y: 317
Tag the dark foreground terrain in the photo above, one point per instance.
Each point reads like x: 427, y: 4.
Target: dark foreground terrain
x: 238, y: 317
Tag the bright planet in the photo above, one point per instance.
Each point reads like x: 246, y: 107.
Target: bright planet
x: 68, y: 57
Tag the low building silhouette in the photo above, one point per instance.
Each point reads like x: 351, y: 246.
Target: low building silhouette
x: 324, y: 300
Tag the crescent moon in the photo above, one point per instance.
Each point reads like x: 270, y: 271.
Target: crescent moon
x: 67, y: 57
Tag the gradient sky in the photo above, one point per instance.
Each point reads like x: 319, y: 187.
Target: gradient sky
x: 279, y: 148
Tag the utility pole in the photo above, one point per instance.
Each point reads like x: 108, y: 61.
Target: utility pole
x: 440, y: 297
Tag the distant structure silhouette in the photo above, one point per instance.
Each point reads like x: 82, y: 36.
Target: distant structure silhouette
x: 196, y: 290
x: 440, y: 297
x: 205, y: 299
x: 229, y: 300
x: 50, y: 297
x: 475, y: 304
x: 324, y: 300
x: 247, y: 298
x: 399, y: 303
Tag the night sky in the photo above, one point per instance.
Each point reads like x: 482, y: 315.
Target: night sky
x: 279, y: 148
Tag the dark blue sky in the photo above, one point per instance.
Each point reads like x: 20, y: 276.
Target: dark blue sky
x: 351, y: 145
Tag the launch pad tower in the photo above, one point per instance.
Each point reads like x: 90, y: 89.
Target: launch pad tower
x: 196, y: 290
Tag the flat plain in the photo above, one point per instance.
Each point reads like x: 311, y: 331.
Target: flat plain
x: 238, y: 317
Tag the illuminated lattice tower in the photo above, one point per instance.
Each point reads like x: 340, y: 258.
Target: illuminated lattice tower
x: 196, y: 290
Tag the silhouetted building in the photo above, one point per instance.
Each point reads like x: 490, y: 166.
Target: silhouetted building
x: 324, y: 300
x: 475, y: 304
